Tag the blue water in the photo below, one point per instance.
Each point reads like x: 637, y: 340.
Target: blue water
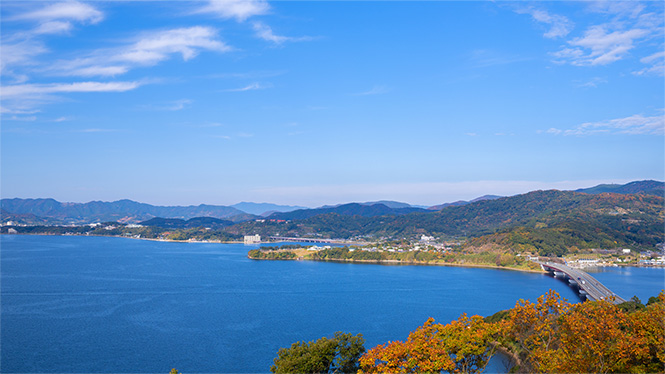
x: 91, y: 304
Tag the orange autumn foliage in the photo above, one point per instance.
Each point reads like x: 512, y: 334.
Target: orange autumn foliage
x: 554, y: 336
x: 549, y: 336
x: 460, y: 346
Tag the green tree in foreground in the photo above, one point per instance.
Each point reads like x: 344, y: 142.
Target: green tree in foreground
x: 339, y: 354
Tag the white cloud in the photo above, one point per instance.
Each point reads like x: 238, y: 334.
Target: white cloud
x: 238, y: 9
x: 17, y: 111
x: 632, y: 125
x: 264, y: 32
x: 22, y: 119
x: 631, y: 9
x: 626, y: 25
x: 249, y: 87
x: 156, y: 47
x: 68, y: 10
x: 19, y: 53
x: 657, y: 62
x: 148, y: 50
x: 36, y: 90
x: 53, y: 27
x: 599, y: 46
x: 560, y: 26
x: 20, y: 49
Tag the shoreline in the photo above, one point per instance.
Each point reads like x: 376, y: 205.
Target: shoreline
x: 398, y: 262
x: 378, y: 262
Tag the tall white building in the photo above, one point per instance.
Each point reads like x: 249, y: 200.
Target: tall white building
x: 252, y: 239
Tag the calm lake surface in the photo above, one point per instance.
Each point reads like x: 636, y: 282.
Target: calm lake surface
x: 101, y: 305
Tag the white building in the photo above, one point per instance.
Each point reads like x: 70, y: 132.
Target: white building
x: 252, y: 239
x: 426, y: 238
x: 625, y: 251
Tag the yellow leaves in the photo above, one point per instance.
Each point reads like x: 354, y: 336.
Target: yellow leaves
x: 550, y: 335
x: 462, y: 345
x: 599, y: 337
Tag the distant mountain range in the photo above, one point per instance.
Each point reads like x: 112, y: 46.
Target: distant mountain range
x: 388, y: 203
x: 124, y: 211
x: 352, y: 209
x: 464, y: 202
x: 548, y: 222
x: 265, y: 209
x: 649, y: 187
x: 50, y: 211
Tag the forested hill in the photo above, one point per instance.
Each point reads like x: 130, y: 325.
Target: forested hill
x: 177, y: 223
x: 635, y: 219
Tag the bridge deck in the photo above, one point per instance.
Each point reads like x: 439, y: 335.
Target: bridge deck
x: 594, y: 289
x: 311, y: 240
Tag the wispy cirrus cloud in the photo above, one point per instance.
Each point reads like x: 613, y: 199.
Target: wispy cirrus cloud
x: 20, y: 53
x: 600, y: 46
x: 238, y: 9
x: 148, y: 49
x: 559, y: 26
x: 656, y: 65
x: 66, y: 10
x: 633, y: 125
x: 265, y: 32
x: 20, y: 48
x: 626, y: 26
x: 36, y: 91
x: 250, y: 87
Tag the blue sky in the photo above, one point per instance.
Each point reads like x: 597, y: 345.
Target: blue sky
x: 312, y: 103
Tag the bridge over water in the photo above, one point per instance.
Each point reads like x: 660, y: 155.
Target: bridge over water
x: 311, y: 240
x: 588, y: 285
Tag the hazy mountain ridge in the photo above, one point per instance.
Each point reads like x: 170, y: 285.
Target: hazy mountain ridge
x: 352, y: 209
x: 264, y: 209
x: 480, y: 216
x: 650, y: 187
x: 464, y: 202
x: 388, y: 203
x: 122, y: 211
